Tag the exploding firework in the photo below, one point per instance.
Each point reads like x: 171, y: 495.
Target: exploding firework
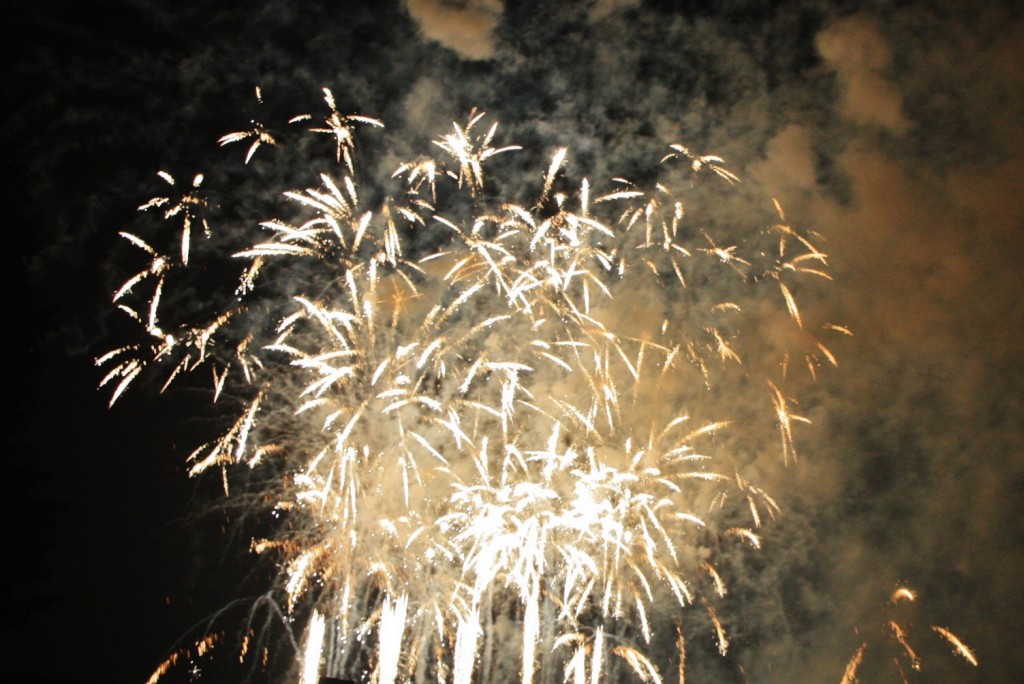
x: 898, y: 652
x: 506, y: 433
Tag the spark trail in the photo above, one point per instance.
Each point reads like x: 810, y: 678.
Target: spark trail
x: 898, y: 653
x: 507, y: 436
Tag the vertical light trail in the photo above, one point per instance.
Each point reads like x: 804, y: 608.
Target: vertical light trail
x: 314, y: 648
x: 392, y: 626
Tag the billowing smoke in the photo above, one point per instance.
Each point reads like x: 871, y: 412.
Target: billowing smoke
x: 466, y: 27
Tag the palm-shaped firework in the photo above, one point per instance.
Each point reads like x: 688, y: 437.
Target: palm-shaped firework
x: 503, y: 428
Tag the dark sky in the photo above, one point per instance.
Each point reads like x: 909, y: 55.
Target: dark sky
x: 893, y: 129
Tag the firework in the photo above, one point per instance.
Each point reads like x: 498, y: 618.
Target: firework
x: 501, y: 430
x: 896, y: 641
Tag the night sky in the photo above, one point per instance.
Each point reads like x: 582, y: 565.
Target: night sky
x: 894, y: 129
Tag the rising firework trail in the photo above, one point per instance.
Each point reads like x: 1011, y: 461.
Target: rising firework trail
x: 503, y: 425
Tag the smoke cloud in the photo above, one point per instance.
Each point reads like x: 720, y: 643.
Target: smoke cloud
x: 465, y: 26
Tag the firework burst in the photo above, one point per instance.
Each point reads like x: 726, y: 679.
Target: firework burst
x: 501, y: 429
x: 898, y: 653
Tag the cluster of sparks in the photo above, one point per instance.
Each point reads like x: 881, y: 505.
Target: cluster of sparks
x: 492, y: 418
x: 905, y: 660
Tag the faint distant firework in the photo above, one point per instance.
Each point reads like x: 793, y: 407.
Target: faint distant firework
x: 895, y: 650
x: 499, y: 438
